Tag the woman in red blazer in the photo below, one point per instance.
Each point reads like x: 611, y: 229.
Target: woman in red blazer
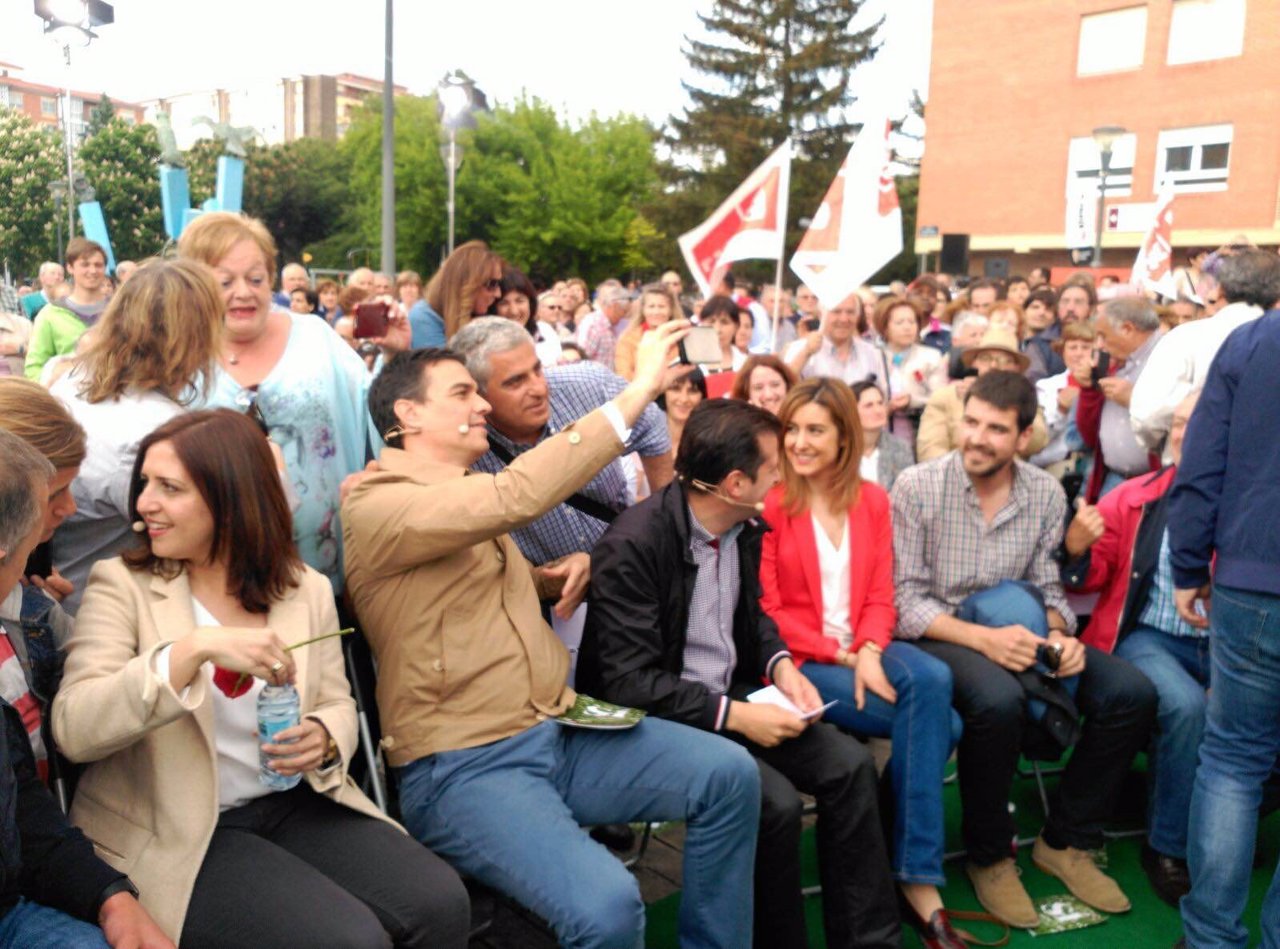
x: 827, y: 574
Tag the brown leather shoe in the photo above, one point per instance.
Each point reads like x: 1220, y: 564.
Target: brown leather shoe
x: 1002, y: 894
x: 1077, y: 870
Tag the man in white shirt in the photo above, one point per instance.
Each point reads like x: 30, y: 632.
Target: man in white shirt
x: 1250, y: 283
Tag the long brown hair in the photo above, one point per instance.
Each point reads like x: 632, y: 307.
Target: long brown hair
x: 838, y: 399
x: 452, y: 290
x: 161, y: 332
x: 42, y: 421
x: 742, y: 381
x: 229, y: 463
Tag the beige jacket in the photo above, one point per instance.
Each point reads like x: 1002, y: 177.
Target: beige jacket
x: 149, y: 800
x: 448, y: 602
x: 940, y: 426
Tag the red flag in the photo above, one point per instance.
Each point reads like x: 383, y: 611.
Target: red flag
x: 750, y: 224
x: 1153, y: 267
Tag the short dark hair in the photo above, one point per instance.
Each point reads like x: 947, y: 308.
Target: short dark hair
x: 721, y: 436
x: 403, y: 376
x: 513, y: 278
x: 1006, y: 390
x: 79, y: 247
x: 717, y: 305
x: 695, y: 379
x: 1046, y: 296
x: 983, y: 283
x: 1014, y: 278
x: 230, y: 465
x: 1251, y: 276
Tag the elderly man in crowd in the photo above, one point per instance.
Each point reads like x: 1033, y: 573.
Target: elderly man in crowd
x: 1250, y: 282
x: 837, y: 349
x: 54, y: 890
x: 597, y: 331
x: 975, y: 538
x: 51, y: 277
x: 1128, y: 331
x: 472, y: 681
x: 293, y: 276
x: 529, y: 405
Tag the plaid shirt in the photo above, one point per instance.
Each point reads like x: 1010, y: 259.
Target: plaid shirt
x: 597, y: 339
x: 9, y: 299
x: 1160, y: 611
x: 709, y: 652
x: 575, y: 390
x: 944, y: 550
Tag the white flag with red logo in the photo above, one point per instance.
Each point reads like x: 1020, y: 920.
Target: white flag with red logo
x: 858, y: 226
x: 749, y: 225
x: 1153, y: 267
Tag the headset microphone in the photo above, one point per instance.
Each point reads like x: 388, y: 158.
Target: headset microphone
x: 138, y: 526
x: 464, y: 428
x: 757, y: 506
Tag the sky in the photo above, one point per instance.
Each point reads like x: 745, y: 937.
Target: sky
x: 581, y: 56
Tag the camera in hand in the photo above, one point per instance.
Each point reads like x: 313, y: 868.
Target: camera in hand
x: 1049, y: 655
x: 701, y: 347
x: 372, y: 319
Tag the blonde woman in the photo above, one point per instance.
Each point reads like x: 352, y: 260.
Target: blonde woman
x: 154, y: 353
x: 466, y: 285
x: 656, y: 306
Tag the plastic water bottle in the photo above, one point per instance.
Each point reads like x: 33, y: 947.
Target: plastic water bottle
x: 278, y: 709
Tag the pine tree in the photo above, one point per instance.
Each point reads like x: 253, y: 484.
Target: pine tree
x: 100, y: 116
x: 776, y: 68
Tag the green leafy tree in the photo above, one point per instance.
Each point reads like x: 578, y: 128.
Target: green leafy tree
x: 100, y: 116
x: 773, y: 68
x: 120, y: 162
x: 30, y: 159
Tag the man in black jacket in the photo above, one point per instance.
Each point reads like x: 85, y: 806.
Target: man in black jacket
x: 674, y: 626
x: 53, y: 888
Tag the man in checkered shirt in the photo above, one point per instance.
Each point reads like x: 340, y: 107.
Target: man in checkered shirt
x: 976, y: 535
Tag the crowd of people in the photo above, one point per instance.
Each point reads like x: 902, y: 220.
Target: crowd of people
x: 970, y: 519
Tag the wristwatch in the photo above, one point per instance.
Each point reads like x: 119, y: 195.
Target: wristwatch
x: 122, y: 885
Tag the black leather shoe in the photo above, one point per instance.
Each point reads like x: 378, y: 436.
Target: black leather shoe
x: 614, y: 836
x: 1169, y: 876
x: 934, y: 934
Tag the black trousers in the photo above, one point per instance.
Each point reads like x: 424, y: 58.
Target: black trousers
x: 1118, y: 705
x: 295, y: 869
x: 858, y: 898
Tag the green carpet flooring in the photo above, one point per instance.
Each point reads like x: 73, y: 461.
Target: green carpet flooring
x: 1151, y: 924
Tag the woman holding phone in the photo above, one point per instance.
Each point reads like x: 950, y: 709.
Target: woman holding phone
x: 826, y: 569
x: 175, y: 641
x: 293, y: 375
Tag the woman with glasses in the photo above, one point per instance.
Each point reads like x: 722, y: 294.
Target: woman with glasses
x: 232, y: 841
x: 295, y: 376
x: 466, y: 285
x: 153, y: 355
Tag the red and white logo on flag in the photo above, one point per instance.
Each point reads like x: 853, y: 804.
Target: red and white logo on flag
x: 858, y: 227
x: 1153, y: 267
x: 750, y: 224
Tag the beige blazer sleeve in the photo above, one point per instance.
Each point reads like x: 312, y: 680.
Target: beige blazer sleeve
x: 330, y: 702
x: 111, y: 694
x: 403, y: 524
x: 933, y: 440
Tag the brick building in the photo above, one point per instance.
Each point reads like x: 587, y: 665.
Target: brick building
x: 1017, y: 86
x: 42, y: 103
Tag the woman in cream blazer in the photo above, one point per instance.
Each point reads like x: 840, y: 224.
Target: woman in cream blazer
x: 171, y: 794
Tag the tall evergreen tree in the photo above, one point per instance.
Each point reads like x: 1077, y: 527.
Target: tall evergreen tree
x: 773, y: 68
x: 100, y: 116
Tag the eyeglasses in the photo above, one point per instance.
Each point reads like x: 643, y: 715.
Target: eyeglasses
x: 492, y: 284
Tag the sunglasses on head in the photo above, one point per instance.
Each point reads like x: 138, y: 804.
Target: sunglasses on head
x: 247, y: 402
x: 492, y: 284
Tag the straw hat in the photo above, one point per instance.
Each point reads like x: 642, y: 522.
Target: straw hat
x: 996, y: 340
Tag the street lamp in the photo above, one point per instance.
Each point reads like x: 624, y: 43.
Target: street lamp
x: 1104, y: 137
x: 70, y: 23
x: 456, y: 94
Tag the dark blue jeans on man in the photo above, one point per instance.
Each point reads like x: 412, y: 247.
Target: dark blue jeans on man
x: 1178, y: 666
x: 33, y: 926
x: 1118, y: 705
x: 509, y: 814
x: 1237, y: 756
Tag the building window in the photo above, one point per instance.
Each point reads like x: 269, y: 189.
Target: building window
x: 48, y: 105
x: 1201, y: 30
x: 1194, y: 159
x: 1112, y: 41
x: 1083, y: 163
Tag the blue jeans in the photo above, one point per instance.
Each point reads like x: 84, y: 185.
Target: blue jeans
x: 510, y: 815
x: 1241, y: 742
x: 32, y: 926
x: 1178, y: 666
x: 924, y: 730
